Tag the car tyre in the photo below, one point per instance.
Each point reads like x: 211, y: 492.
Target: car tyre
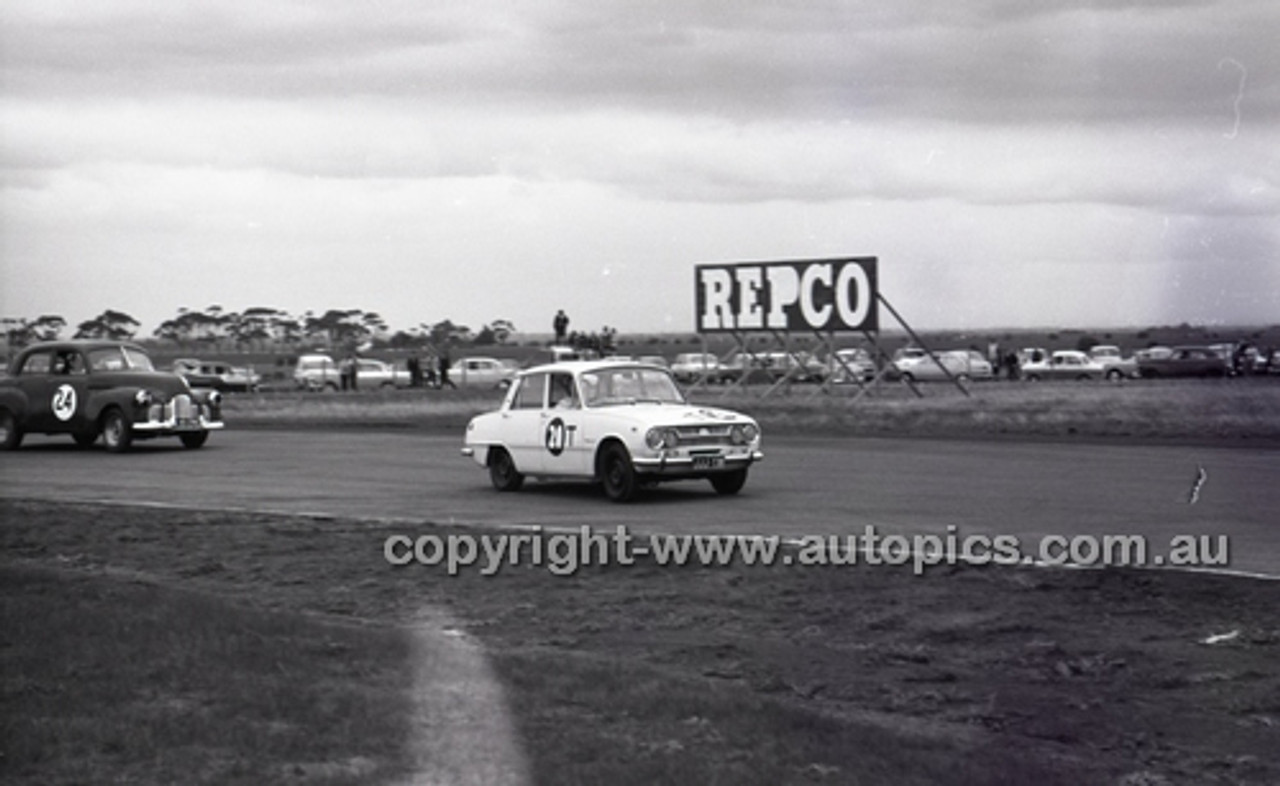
x: 194, y: 440
x: 502, y: 471
x: 1033, y: 377
x: 10, y: 434
x: 617, y: 473
x: 1114, y: 375
x: 963, y: 379
x: 907, y: 377
x: 729, y: 482
x: 117, y: 431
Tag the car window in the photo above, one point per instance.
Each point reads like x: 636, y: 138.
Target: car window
x: 67, y: 361
x: 529, y: 393
x: 629, y: 385
x: 563, y: 393
x: 111, y: 359
x: 36, y: 363
x: 137, y: 359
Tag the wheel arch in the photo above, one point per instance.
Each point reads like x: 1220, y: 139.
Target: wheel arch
x: 603, y: 447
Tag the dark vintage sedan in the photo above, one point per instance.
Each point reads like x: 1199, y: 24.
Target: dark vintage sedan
x: 1183, y: 362
x: 107, y: 389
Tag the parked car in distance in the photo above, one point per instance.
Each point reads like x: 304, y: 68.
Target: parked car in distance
x: 851, y: 365
x: 217, y: 375
x: 690, y: 367
x: 621, y: 423
x: 316, y: 372
x: 1152, y: 353
x: 798, y: 366
x: 913, y: 364
x: 108, y: 389
x: 1064, y: 364
x: 1114, y: 365
x: 482, y: 372
x: 372, y: 373
x: 1190, y: 361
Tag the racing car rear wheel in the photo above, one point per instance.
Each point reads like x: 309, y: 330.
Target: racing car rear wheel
x: 117, y: 431
x: 10, y: 434
x: 502, y: 471
x: 618, y: 475
x: 729, y: 482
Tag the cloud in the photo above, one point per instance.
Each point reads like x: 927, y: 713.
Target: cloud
x: 305, y: 132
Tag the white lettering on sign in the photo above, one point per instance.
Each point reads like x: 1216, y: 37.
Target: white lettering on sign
x: 826, y: 294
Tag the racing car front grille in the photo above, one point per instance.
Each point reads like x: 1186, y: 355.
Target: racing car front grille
x: 703, y: 435
x: 183, y: 408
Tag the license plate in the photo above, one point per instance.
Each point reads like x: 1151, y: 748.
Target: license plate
x: 708, y: 462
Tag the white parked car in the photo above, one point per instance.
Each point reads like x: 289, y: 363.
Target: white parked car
x: 316, y: 372
x: 624, y: 424
x: 851, y: 365
x: 914, y: 364
x: 693, y: 366
x: 1114, y: 365
x: 482, y: 372
x: 371, y: 373
x: 1064, y: 364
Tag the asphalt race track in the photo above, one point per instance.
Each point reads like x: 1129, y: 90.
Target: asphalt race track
x: 804, y: 487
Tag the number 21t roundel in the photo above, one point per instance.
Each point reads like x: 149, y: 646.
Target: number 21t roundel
x: 556, y: 437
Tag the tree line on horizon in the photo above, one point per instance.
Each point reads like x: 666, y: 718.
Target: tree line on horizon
x: 260, y: 328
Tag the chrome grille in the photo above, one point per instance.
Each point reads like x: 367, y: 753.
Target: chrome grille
x: 183, y: 408
x: 691, y: 436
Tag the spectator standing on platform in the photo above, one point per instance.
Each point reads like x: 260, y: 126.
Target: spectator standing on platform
x: 561, y: 325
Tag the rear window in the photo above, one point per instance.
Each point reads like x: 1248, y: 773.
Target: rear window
x: 37, y: 363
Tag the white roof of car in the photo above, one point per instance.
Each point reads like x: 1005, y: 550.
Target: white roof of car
x: 583, y: 366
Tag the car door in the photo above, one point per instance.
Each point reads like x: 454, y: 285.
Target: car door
x: 560, y: 427
x: 57, y: 388
x: 522, y: 423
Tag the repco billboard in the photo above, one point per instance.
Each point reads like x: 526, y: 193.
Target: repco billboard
x: 818, y: 294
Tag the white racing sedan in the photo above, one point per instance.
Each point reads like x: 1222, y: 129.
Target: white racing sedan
x: 622, y: 423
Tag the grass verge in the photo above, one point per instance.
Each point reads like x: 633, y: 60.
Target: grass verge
x: 630, y: 675
x: 109, y: 681
x: 1243, y: 409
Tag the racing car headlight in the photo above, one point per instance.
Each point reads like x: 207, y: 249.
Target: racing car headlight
x: 143, y: 398
x: 658, y: 438
x: 215, y: 399
x: 743, y: 434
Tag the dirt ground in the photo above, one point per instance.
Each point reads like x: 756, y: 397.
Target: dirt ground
x: 1070, y: 676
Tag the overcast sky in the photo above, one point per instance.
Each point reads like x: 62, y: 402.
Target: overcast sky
x: 1010, y: 163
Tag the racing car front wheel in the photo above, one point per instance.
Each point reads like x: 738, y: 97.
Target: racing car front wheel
x: 194, y: 440
x: 117, y: 431
x: 618, y: 475
x: 729, y: 482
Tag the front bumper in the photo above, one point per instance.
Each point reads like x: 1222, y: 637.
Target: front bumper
x: 695, y: 463
x: 175, y: 426
x: 180, y: 415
